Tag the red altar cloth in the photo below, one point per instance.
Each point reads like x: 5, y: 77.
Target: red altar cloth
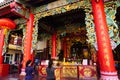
x: 42, y: 72
x: 72, y: 72
x: 87, y: 72
x: 4, y: 69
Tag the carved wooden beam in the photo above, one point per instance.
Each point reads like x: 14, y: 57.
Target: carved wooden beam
x: 13, y: 10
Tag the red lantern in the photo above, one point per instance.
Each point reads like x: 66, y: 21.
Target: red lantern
x: 7, y: 23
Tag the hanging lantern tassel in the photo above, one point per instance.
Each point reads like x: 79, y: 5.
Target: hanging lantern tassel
x: 5, y: 31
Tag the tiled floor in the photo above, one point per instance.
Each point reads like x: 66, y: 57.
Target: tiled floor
x: 18, y: 77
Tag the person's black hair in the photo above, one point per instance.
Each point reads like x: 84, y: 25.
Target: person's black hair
x: 50, y: 63
x: 28, y: 62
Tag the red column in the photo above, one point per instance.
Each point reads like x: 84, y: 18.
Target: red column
x: 32, y: 55
x: 1, y: 44
x: 54, y: 46
x: 65, y: 48
x: 105, y: 55
x: 27, y: 43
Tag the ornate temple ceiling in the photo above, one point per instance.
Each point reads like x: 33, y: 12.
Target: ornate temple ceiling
x: 38, y: 2
x: 70, y: 17
x: 73, y: 16
x: 59, y: 22
x: 42, y: 2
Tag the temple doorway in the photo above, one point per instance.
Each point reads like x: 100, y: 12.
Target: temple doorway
x: 76, y: 50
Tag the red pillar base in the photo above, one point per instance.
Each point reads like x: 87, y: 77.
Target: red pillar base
x: 109, y: 76
x: 22, y: 72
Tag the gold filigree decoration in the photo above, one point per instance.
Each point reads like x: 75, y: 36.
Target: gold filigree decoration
x: 43, y: 70
x: 104, y: 44
x: 105, y: 50
x: 107, y: 63
x: 102, y: 33
x: 59, y: 9
x: 87, y: 72
x: 103, y: 38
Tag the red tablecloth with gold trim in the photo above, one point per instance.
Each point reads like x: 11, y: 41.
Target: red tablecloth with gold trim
x: 69, y: 72
x: 42, y: 72
x: 72, y: 72
x: 87, y: 72
x: 4, y: 69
